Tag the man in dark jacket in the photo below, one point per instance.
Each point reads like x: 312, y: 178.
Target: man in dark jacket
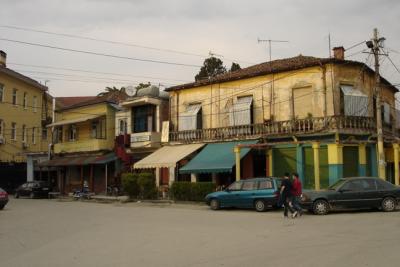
x: 286, y: 195
x: 296, y: 194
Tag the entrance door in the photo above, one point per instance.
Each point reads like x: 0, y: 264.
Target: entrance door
x: 350, y: 161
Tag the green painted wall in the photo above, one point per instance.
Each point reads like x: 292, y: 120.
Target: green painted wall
x: 284, y: 160
x: 350, y: 161
x: 309, y: 178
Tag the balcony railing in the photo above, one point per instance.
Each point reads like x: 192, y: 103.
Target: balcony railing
x: 290, y: 127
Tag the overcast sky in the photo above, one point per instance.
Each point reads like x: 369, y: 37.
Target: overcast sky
x: 227, y: 28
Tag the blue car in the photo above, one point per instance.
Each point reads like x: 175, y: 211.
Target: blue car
x: 255, y: 193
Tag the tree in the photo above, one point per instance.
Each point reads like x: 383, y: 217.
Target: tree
x: 212, y: 67
x: 235, y: 67
x: 113, y: 89
x: 143, y: 85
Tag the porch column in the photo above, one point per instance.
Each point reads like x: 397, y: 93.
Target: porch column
x: 362, y: 160
x: 193, y: 177
x: 237, y: 159
x: 300, y: 162
x: 171, y: 175
x: 270, y: 161
x: 157, y: 177
x: 315, y: 147
x: 335, y: 162
x: 396, y: 163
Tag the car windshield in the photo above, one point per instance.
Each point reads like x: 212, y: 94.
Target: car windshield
x: 235, y: 186
x: 336, y: 185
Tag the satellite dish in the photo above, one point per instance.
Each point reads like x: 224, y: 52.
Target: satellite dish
x: 130, y: 90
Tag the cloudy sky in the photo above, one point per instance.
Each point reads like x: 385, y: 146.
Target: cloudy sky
x: 181, y: 32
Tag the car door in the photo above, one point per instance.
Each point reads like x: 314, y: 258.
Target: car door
x: 231, y: 198
x: 369, y: 196
x: 247, y: 194
x: 266, y: 191
x: 348, y: 194
x: 24, y: 189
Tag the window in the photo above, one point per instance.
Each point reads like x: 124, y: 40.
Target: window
x: 123, y: 127
x: 353, y: 186
x: 192, y: 118
x: 265, y: 185
x: 25, y: 100
x: 34, y: 135
x: 386, y: 113
x: 58, y: 134
x: 235, y: 186
x: 44, y: 133
x: 13, y: 131
x: 23, y: 133
x: 249, y: 185
x: 241, y: 112
x: 14, y: 97
x: 353, y: 102
x: 384, y: 185
x: 72, y: 133
x: 143, y: 119
x: 34, y: 104
x: 98, y: 129
x: 1, y: 92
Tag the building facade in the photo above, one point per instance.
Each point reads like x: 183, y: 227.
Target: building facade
x: 25, y: 110
x: 83, y: 144
x: 314, y: 116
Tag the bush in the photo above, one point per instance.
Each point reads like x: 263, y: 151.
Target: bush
x: 147, y: 186
x: 130, y: 184
x: 191, y: 191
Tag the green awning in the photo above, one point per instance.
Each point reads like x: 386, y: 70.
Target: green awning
x: 214, y: 158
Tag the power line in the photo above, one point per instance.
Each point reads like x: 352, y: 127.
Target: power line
x: 116, y: 42
x: 355, y: 45
x: 95, y: 72
x: 100, y: 54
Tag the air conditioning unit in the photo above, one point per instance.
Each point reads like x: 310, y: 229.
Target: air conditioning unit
x: 2, y: 140
x: 25, y: 145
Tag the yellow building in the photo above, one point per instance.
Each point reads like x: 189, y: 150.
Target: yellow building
x: 303, y: 110
x: 83, y: 136
x: 25, y: 110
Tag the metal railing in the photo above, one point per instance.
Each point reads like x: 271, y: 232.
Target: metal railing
x: 289, y: 127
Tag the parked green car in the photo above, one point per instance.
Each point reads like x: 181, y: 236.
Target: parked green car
x: 255, y: 193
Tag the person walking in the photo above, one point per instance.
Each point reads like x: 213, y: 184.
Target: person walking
x: 285, y: 194
x: 296, y: 194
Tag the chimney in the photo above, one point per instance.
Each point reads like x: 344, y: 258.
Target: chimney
x: 338, y: 52
x: 3, y: 57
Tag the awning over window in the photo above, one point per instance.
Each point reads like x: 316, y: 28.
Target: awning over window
x: 188, y: 119
x: 79, y: 160
x: 355, y: 101
x: 215, y: 158
x: 72, y: 121
x: 167, y: 156
x: 240, y: 113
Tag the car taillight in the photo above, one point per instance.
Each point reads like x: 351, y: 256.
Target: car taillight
x: 3, y: 194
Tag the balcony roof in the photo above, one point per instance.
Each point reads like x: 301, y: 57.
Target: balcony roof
x: 72, y: 121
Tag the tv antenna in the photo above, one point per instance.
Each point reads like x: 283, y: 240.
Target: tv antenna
x: 270, y: 41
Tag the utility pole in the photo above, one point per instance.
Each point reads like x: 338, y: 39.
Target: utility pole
x: 375, y: 45
x: 272, y: 94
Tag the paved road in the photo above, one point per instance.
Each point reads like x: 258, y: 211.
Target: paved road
x: 54, y: 233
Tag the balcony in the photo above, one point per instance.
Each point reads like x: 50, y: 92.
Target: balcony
x: 145, y: 139
x: 343, y: 124
x: 83, y: 146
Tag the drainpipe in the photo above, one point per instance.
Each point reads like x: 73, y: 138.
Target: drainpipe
x: 324, y: 90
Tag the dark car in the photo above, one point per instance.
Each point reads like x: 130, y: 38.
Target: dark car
x: 255, y: 193
x: 3, y: 198
x: 33, y: 189
x: 353, y: 193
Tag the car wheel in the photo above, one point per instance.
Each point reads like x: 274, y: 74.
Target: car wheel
x: 259, y: 205
x: 320, y: 207
x: 32, y: 195
x: 16, y: 195
x: 214, y: 204
x: 388, y: 204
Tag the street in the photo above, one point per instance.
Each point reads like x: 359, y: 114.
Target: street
x: 63, y: 233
